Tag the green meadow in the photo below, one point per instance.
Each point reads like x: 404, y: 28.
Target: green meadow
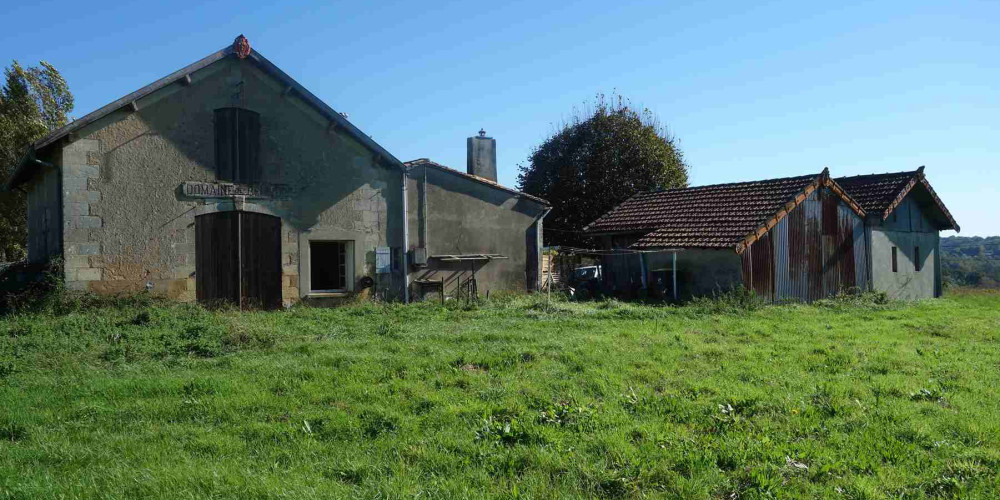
x: 516, y: 397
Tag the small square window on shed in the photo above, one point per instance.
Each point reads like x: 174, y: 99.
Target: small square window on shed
x: 328, y: 266
x: 237, y: 145
x: 895, y: 267
x: 916, y: 259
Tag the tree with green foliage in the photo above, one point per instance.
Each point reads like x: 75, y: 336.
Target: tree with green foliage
x: 33, y: 101
x: 597, y: 160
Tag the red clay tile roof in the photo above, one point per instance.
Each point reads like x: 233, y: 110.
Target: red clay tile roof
x: 876, y: 192
x: 879, y: 194
x: 420, y: 162
x: 717, y: 216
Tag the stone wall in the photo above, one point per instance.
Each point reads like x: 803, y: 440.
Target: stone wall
x: 128, y: 225
x: 81, y: 226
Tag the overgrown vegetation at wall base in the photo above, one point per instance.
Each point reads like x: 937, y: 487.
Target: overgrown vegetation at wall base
x: 511, y: 398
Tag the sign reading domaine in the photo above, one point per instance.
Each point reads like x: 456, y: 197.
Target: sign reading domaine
x: 193, y: 189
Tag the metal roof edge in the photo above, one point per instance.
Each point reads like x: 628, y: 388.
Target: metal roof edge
x: 420, y: 162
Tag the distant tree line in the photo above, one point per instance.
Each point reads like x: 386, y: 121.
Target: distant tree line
x: 971, y: 261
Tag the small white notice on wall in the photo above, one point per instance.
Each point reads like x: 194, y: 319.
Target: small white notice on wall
x: 383, y: 260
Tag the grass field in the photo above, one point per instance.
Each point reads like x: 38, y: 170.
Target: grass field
x: 510, y: 399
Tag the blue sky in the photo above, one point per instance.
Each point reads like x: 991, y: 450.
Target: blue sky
x: 750, y: 90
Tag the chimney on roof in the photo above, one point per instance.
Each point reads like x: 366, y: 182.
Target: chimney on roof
x: 482, y: 156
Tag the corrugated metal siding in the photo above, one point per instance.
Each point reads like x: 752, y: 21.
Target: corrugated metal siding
x: 813, y: 208
x: 758, y: 267
x: 818, y: 249
x: 782, y: 277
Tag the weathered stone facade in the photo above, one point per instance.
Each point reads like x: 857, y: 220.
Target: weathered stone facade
x: 135, y: 180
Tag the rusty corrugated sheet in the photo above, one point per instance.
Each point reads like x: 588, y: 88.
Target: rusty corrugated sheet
x: 782, y: 279
x: 817, y: 249
x: 798, y: 260
x: 814, y: 247
x: 758, y: 267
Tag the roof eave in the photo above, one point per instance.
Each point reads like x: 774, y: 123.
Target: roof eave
x: 790, y: 205
x: 328, y: 112
x: 19, y: 176
x: 444, y: 168
x: 823, y: 180
x: 184, y: 73
x: 918, y: 176
x: 103, y: 111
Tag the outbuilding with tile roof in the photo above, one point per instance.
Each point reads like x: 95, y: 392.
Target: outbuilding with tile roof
x: 796, y: 238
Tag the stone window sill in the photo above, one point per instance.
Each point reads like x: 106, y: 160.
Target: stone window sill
x: 327, y: 295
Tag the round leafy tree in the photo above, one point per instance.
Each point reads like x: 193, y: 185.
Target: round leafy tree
x: 596, y: 161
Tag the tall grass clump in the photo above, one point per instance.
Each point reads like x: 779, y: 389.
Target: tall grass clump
x: 735, y: 300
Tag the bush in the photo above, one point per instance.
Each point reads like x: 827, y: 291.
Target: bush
x: 30, y: 287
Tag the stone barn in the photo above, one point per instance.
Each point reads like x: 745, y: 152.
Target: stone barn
x: 790, y: 239
x: 229, y: 181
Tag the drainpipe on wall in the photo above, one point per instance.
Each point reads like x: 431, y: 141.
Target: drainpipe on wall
x: 406, y: 244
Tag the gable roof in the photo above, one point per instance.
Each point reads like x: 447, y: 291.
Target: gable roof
x: 424, y: 162
x: 182, y: 77
x: 880, y: 194
x: 717, y: 216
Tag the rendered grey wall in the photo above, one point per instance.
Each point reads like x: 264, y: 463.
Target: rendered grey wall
x: 137, y: 228
x: 909, y: 229
x: 463, y: 216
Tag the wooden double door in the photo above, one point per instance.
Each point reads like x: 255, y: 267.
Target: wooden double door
x: 238, y: 259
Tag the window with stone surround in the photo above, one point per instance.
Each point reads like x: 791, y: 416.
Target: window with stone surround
x: 328, y: 266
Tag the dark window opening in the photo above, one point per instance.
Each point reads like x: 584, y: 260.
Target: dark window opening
x: 237, y: 145
x: 916, y: 258
x: 895, y: 268
x: 328, y: 266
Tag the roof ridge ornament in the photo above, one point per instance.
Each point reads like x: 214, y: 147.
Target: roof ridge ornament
x: 241, y: 46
